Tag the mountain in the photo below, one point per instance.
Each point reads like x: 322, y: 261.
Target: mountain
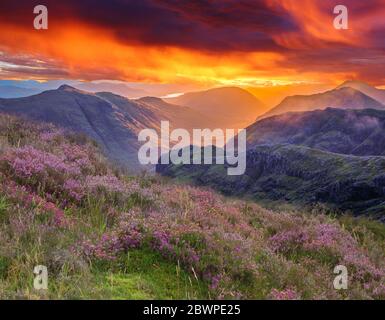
x: 113, y: 121
x: 365, y: 88
x: 149, y: 111
x: 342, y: 98
x: 298, y: 175
x: 232, y: 107
x: 16, y: 92
x: 357, y: 132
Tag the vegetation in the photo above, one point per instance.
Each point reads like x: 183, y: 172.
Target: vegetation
x: 104, y: 234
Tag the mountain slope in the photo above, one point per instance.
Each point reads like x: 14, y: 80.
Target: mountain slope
x: 299, y: 175
x: 111, y: 120
x: 358, y: 132
x: 232, y: 107
x: 147, y: 112
x: 342, y: 98
x: 82, y: 112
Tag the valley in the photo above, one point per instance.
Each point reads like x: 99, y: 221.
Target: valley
x: 331, y: 155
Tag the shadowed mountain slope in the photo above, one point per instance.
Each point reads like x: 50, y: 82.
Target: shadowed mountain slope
x: 358, y: 132
x: 298, y: 175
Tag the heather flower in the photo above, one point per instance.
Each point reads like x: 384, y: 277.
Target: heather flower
x: 108, y: 182
x: 285, y: 240
x: 51, y: 134
x: 286, y: 294
x: 74, y: 189
x: 28, y: 161
x: 214, y: 282
x: 79, y: 155
x: 34, y: 203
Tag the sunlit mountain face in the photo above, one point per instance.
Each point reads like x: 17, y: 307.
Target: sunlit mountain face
x: 159, y: 48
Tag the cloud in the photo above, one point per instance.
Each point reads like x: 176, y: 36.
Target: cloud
x: 204, y: 40
x: 204, y: 25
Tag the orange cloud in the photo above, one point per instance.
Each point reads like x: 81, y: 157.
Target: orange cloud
x: 245, y: 43
x: 85, y: 56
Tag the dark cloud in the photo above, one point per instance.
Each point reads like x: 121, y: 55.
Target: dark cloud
x: 242, y: 25
x: 204, y: 25
x: 201, y: 24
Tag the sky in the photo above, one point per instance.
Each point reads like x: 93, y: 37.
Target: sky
x: 195, y: 44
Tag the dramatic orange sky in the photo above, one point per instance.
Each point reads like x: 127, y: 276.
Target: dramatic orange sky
x: 275, y: 44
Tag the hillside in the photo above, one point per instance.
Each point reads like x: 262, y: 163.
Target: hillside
x: 103, y: 234
x: 298, y: 175
x: 230, y: 106
x: 341, y: 98
x: 357, y: 132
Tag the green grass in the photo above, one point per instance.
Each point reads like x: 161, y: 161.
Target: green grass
x: 141, y: 274
x: 3, y: 208
x: 4, y: 264
x: 146, y: 275
x: 363, y: 228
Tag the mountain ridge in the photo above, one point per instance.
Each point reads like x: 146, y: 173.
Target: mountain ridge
x: 373, y: 92
x: 357, y: 132
x: 342, y: 98
x: 112, y: 120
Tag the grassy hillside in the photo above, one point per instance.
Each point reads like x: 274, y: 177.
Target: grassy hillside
x: 103, y: 234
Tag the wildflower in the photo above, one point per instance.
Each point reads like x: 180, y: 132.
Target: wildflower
x: 286, y: 294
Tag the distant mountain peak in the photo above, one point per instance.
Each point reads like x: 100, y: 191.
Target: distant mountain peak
x: 343, y: 97
x: 358, y: 85
x: 348, y: 90
x: 66, y: 87
x: 367, y: 89
x: 351, y: 82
